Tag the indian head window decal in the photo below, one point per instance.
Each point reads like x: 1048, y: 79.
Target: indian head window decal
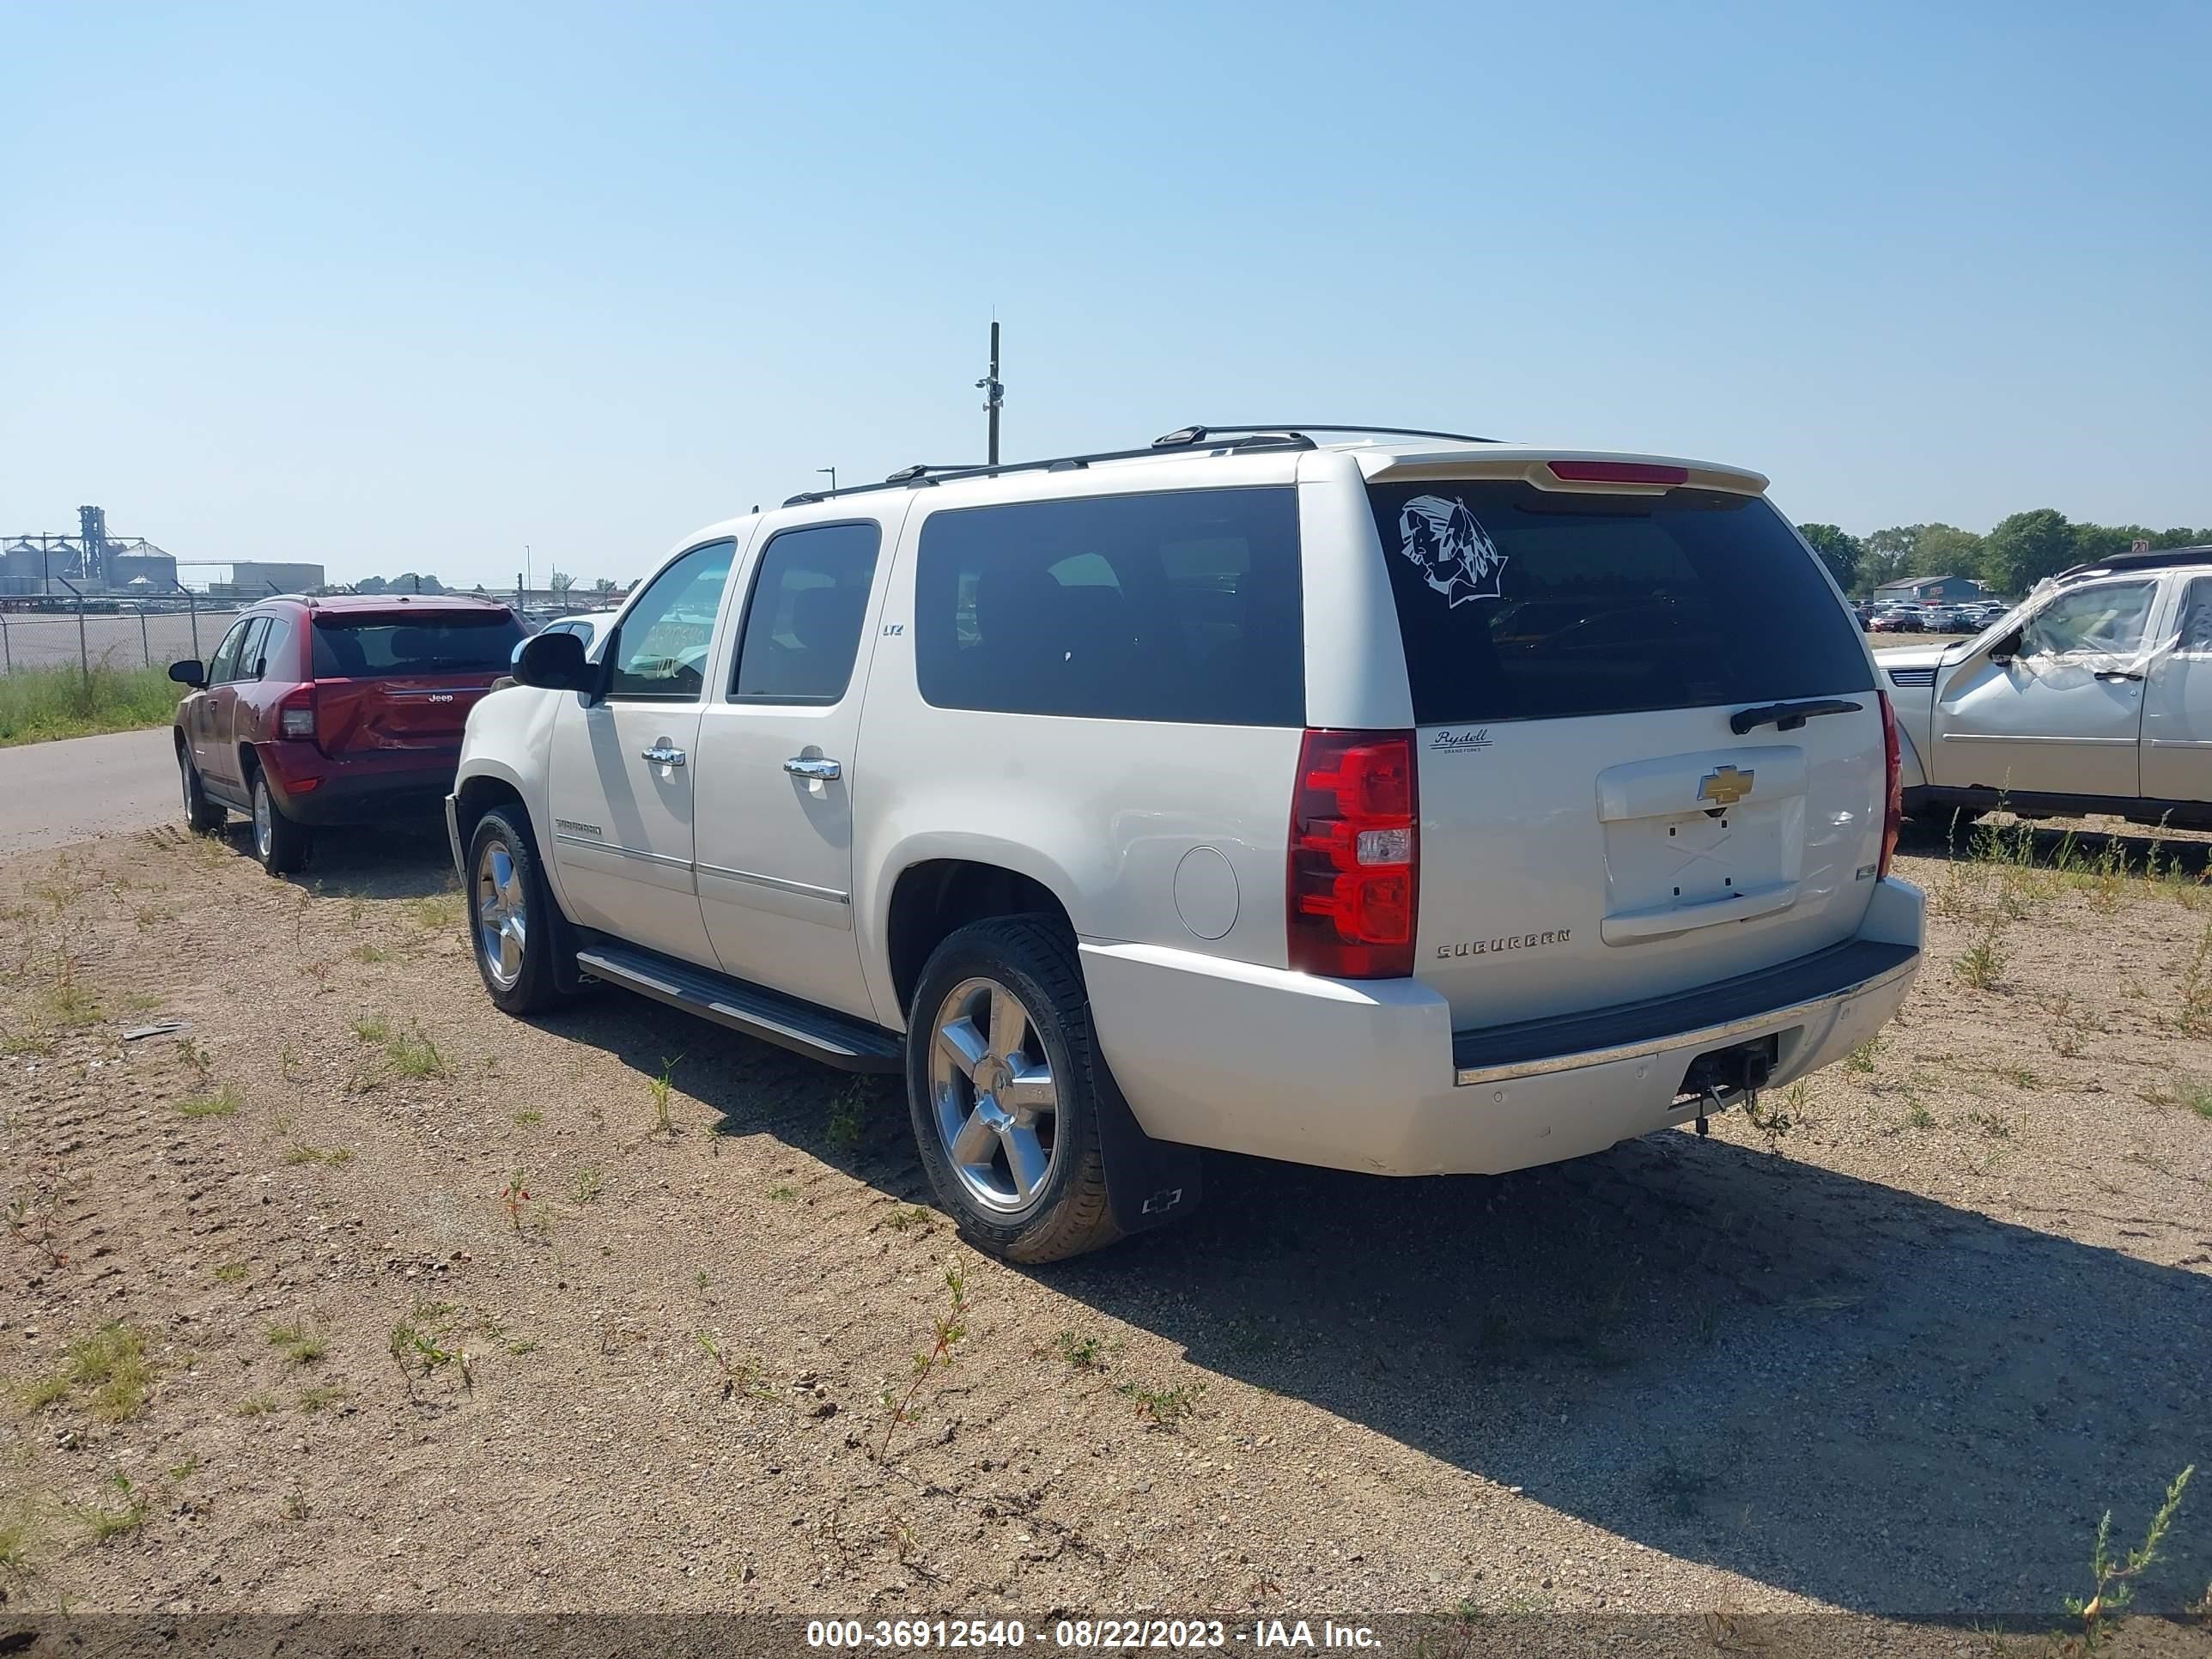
x: 1455, y: 553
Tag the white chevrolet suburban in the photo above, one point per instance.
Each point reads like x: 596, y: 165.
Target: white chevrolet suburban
x: 1400, y: 802
x: 2084, y: 698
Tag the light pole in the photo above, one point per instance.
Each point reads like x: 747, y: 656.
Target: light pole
x: 832, y: 471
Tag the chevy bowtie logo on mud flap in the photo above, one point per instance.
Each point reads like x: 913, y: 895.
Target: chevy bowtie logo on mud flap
x: 1725, y: 786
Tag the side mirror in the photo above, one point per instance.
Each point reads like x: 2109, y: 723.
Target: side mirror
x: 554, y: 662
x: 2005, y: 649
x: 190, y: 671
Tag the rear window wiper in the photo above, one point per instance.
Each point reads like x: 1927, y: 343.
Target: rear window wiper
x: 1789, y: 716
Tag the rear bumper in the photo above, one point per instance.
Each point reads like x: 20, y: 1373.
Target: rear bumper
x: 1370, y: 1076
x: 313, y: 789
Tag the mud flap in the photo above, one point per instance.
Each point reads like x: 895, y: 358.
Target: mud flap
x: 1148, y: 1182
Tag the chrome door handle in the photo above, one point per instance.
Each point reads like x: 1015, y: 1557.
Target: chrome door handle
x: 800, y: 767
x: 662, y: 755
x: 2112, y: 674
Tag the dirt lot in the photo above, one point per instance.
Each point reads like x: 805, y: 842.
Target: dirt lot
x: 381, y: 1300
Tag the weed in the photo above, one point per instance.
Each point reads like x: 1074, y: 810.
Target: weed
x: 25, y: 1042
x: 320, y: 973
x: 413, y: 1054
x: 1919, y: 1116
x: 783, y: 1193
x: 662, y: 1089
x: 185, y: 1470
x: 41, y: 1392
x: 738, y: 1375
x: 1165, y: 1407
x: 2193, y: 1016
x: 127, y: 1517
x: 1995, y: 1125
x: 223, y: 1103
x: 1981, y: 964
x: 589, y: 1184
x: 439, y: 912
x: 371, y: 953
x: 2018, y: 1076
x: 373, y: 1028
x: 904, y: 1218
x: 848, y: 1115
x: 258, y: 1405
x: 314, y: 1401
x: 530, y: 1119
x: 335, y: 1158
x: 69, y: 1004
x: 419, y: 1340
x: 197, y: 1058
x: 951, y: 1330
x: 512, y: 1197
x: 1083, y: 1353
x: 1861, y: 1058
x: 1776, y: 1121
x: 2187, y: 1090
x: 2115, y: 1577
x: 300, y: 1344
x: 111, y: 1364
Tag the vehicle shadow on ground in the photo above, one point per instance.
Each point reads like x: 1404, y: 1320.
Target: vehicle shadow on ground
x: 1822, y: 1384
x: 378, y: 861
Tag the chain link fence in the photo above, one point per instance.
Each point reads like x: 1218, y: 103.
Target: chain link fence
x: 94, y: 631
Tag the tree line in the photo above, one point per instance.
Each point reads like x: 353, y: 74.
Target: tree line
x: 2020, y: 552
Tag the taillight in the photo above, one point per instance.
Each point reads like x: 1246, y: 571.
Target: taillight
x: 1355, y: 857
x: 296, y: 714
x: 1892, y: 813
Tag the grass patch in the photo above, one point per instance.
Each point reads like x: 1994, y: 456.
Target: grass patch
x: 1165, y: 1407
x: 783, y: 1193
x: 223, y: 1103
x: 2190, y: 1093
x: 128, y: 1516
x: 314, y: 1401
x: 110, y: 1365
x: 258, y: 1405
x: 300, y: 1345
x: 38, y: 705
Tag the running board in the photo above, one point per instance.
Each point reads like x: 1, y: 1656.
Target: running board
x: 822, y: 1034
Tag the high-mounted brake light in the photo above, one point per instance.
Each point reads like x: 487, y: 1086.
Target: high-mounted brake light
x: 296, y: 714
x: 1353, y: 886
x: 1893, y: 812
x: 1619, y: 472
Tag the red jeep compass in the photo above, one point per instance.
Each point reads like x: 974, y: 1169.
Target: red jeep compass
x: 347, y: 709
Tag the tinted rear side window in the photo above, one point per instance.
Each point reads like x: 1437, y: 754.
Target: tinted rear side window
x: 1179, y: 606
x: 372, y: 648
x: 1521, y: 604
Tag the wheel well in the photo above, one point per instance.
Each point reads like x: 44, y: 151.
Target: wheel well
x: 478, y: 797
x: 936, y: 898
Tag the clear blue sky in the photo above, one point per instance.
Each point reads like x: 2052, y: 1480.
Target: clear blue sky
x: 408, y: 288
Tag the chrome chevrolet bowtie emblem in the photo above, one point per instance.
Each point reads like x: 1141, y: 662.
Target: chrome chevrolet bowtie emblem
x: 1725, y: 786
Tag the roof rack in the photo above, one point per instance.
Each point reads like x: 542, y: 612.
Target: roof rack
x: 1184, y: 437
x: 2157, y: 558
x: 922, y: 473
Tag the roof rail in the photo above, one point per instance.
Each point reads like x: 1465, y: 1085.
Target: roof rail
x: 921, y: 473
x: 1184, y: 437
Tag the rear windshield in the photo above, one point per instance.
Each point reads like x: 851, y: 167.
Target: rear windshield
x: 1521, y: 604
x: 375, y: 647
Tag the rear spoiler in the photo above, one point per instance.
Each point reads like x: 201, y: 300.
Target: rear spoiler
x: 1592, y: 472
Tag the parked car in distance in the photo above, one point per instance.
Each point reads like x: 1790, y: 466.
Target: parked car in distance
x: 1896, y: 622
x: 343, y: 710
x: 589, y: 626
x: 2094, y: 697
x: 1408, y: 804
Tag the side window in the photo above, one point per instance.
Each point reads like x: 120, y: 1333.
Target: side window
x: 222, y: 666
x: 803, y: 622
x: 1184, y: 606
x: 271, y: 652
x: 2196, y: 619
x: 668, y: 633
x: 2108, y: 619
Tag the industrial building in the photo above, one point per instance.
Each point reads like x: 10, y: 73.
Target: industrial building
x: 94, y: 562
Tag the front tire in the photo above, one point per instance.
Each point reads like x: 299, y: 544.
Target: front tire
x: 511, y: 929
x: 1003, y: 1085
x: 206, y: 817
x: 282, y: 844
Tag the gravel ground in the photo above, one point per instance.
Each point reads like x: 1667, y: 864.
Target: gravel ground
x: 438, y: 1309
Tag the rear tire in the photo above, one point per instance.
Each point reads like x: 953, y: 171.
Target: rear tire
x: 284, y: 845
x: 1001, y: 1027
x: 206, y: 817
x: 513, y: 931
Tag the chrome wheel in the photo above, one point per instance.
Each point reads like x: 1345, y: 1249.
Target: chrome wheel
x: 993, y: 1096
x: 264, y: 819
x: 503, y: 914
